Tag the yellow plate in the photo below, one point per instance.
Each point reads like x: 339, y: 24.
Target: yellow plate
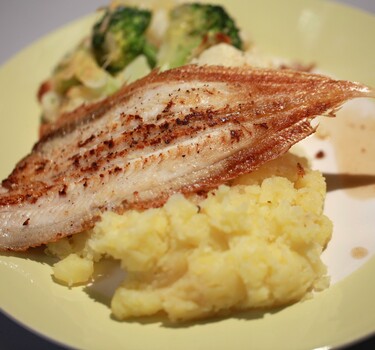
x: 339, y: 40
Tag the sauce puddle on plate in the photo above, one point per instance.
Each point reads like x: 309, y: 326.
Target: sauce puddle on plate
x: 359, y: 252
x: 352, y: 134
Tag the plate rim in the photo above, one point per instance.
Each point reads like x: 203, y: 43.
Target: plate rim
x: 370, y: 265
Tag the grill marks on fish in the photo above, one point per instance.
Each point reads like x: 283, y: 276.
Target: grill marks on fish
x: 185, y: 130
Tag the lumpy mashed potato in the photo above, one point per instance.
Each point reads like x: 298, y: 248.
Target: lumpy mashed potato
x: 255, y: 242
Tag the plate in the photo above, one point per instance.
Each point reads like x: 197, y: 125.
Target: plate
x: 338, y: 40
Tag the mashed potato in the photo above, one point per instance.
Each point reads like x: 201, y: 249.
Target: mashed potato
x: 255, y: 242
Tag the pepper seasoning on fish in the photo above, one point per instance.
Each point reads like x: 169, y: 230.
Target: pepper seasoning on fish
x: 186, y: 130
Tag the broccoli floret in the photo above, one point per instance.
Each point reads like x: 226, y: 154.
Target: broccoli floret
x: 193, y: 28
x: 119, y: 37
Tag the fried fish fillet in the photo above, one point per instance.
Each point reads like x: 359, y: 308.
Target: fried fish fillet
x: 185, y: 130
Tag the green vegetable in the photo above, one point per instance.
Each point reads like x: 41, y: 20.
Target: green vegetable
x: 119, y: 37
x: 193, y: 28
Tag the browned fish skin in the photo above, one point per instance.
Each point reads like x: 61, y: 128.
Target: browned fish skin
x: 185, y: 130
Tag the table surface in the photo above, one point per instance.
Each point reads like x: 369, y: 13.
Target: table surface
x: 15, y: 16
